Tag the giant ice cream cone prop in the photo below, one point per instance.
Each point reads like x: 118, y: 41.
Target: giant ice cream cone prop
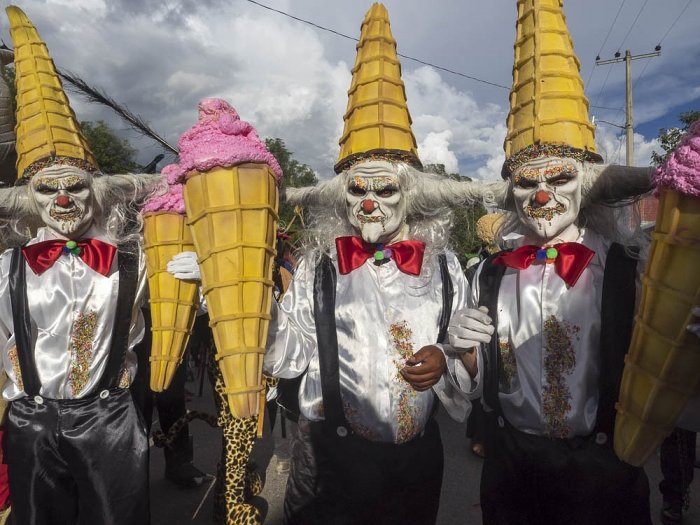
x: 377, y: 121
x: 173, y: 302
x: 662, y: 368
x: 47, y: 130
x: 231, y: 198
x: 549, y: 111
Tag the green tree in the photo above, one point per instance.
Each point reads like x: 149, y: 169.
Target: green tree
x: 113, y: 154
x: 295, y: 175
x: 669, y: 138
x: 463, y: 239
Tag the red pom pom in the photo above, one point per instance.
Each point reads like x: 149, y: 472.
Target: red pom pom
x: 62, y: 201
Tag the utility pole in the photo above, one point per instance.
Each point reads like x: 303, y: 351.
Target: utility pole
x: 628, y: 92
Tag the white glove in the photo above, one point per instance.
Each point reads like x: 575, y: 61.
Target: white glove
x: 469, y: 327
x: 695, y: 327
x: 184, y: 266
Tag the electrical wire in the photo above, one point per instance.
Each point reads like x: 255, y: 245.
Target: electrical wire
x: 606, y: 39
x: 633, y: 24
x: 675, y: 21
x: 304, y: 21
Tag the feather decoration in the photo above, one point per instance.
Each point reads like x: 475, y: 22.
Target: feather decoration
x: 95, y: 95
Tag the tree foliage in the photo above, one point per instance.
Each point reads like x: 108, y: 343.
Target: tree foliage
x: 295, y: 175
x: 113, y: 154
x: 671, y: 137
x: 463, y: 239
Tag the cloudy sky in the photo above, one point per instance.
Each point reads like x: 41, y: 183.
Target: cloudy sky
x: 290, y: 79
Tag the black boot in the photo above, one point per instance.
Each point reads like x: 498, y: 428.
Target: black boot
x: 178, y: 464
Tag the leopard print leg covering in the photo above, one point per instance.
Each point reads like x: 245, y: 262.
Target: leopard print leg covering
x: 235, y: 483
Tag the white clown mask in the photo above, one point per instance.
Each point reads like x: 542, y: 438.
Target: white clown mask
x: 64, y: 200
x: 375, y: 204
x: 547, y: 195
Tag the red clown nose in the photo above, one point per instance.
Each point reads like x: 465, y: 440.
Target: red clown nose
x: 62, y: 201
x: 541, y: 197
x: 368, y: 206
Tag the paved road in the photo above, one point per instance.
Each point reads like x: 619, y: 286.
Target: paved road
x: 460, y: 491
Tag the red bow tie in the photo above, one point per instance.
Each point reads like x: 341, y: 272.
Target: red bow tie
x: 96, y: 254
x: 353, y: 252
x: 569, y: 258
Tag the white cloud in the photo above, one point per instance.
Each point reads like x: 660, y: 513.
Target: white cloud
x: 435, y: 149
x: 612, y: 146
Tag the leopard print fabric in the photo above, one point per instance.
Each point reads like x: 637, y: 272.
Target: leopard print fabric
x: 236, y: 481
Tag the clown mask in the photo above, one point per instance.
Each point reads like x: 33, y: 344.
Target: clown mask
x: 375, y: 205
x: 63, y: 197
x: 547, y: 195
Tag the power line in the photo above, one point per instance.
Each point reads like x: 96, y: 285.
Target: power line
x: 675, y: 21
x: 606, y: 39
x: 633, y: 24
x: 304, y: 21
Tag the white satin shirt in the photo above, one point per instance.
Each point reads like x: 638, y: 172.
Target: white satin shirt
x: 382, y: 317
x: 72, y: 309
x: 548, y: 338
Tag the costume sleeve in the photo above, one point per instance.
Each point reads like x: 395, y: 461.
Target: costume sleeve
x: 456, y: 387
x: 6, y: 323
x: 291, y: 338
x: 138, y: 325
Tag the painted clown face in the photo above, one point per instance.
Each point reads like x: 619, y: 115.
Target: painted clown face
x: 547, y: 194
x: 64, y: 200
x: 374, y: 202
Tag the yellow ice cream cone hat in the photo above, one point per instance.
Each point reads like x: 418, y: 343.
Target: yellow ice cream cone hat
x: 548, y: 110
x: 377, y: 121
x: 47, y: 130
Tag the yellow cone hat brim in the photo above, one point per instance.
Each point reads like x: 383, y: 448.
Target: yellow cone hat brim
x: 377, y: 121
x: 547, y: 101
x: 47, y: 130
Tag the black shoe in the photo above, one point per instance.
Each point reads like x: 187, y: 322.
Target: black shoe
x: 671, y: 512
x: 185, y: 475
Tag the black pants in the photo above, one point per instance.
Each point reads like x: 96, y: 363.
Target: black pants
x: 677, y: 460
x: 535, y: 480
x: 78, y: 461
x: 360, y: 482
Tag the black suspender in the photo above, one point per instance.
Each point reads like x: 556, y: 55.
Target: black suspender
x: 22, y: 323
x: 127, y: 260
x: 325, y: 280
x: 489, y: 284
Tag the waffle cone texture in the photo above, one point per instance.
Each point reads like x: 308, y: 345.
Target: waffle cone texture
x: 47, y: 128
x: 232, y: 213
x: 547, y: 100
x: 662, y: 367
x: 173, y: 302
x: 377, y: 120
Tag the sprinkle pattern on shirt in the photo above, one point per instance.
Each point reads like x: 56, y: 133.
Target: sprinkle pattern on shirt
x: 509, y: 365
x: 82, y: 337
x: 14, y: 359
x: 559, y: 362
x: 407, y: 413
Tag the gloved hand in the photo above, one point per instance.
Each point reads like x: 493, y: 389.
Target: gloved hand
x: 470, y: 327
x: 184, y: 266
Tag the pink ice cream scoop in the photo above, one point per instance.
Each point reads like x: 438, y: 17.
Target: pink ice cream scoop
x: 172, y: 199
x: 681, y: 171
x: 221, y: 138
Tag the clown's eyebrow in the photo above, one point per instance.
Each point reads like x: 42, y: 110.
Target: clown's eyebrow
x: 562, y: 170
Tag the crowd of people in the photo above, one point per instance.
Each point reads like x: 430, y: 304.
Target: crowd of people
x: 375, y: 327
